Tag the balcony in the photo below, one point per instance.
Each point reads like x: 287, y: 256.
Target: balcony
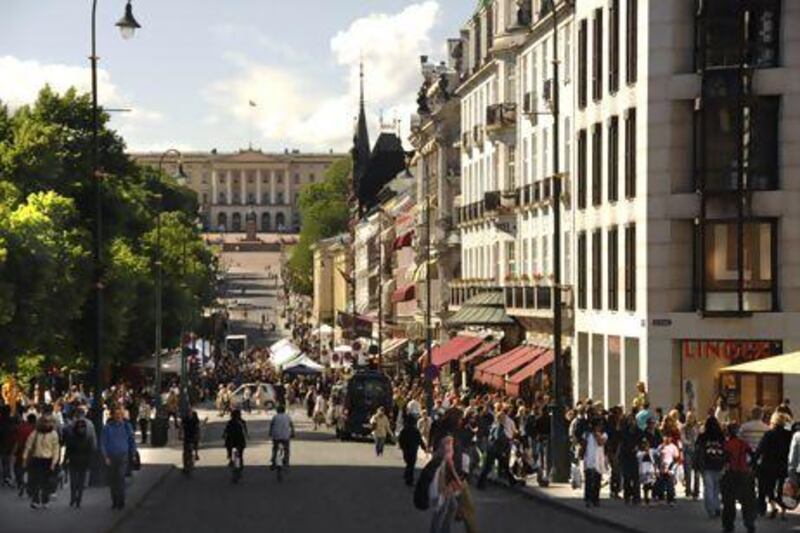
x: 540, y: 193
x: 466, y: 140
x: 462, y: 290
x: 530, y: 300
x: 501, y: 116
x: 491, y: 201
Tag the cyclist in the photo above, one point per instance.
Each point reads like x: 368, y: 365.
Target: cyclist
x: 281, y: 431
x: 191, y: 433
x: 235, y: 436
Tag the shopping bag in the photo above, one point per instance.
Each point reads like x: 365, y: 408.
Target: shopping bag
x: 576, y: 476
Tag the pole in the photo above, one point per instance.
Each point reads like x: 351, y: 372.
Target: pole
x: 428, y: 383
x: 184, y: 392
x: 97, y: 375
x: 380, y: 289
x: 559, y: 461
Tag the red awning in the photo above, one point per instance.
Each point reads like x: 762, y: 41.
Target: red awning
x: 404, y: 240
x: 454, y: 349
x: 515, y: 380
x: 482, y: 351
x: 494, y: 375
x: 482, y: 368
x: 404, y: 294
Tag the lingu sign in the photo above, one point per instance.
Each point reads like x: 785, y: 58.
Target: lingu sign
x: 730, y: 350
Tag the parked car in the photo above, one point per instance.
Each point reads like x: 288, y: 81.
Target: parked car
x: 268, y: 396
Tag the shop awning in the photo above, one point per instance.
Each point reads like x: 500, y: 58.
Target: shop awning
x: 404, y: 294
x: 484, y: 366
x: 514, y: 381
x: 494, y: 375
x: 454, y: 349
x: 404, y: 240
x: 393, y: 344
x: 482, y: 351
x: 780, y: 364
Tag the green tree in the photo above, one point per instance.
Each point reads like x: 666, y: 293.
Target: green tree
x: 325, y: 213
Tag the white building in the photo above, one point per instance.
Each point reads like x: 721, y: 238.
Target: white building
x: 687, y: 210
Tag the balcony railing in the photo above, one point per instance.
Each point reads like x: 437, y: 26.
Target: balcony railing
x: 463, y: 290
x: 521, y: 298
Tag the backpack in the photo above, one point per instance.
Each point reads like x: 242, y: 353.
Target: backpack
x: 713, y: 455
x: 422, y: 498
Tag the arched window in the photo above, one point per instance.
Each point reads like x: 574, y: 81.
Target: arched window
x: 222, y: 222
x: 280, y: 221
x: 236, y: 224
x: 265, y: 222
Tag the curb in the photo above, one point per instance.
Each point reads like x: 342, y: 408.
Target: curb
x: 147, y: 493
x: 553, y: 502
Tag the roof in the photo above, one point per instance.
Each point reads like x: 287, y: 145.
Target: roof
x: 490, y: 298
x: 475, y: 316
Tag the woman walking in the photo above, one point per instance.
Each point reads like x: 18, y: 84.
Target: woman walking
x: 773, y: 451
x: 381, y: 429
x: 41, y: 456
x: 80, y: 446
x: 711, y: 460
x: 445, y: 488
x: 690, y: 431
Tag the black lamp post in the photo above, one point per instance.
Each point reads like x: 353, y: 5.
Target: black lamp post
x: 127, y: 25
x: 180, y: 177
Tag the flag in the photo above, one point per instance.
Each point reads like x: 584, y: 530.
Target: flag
x: 252, y: 103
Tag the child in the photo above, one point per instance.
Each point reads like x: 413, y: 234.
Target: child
x: 647, y: 471
x: 669, y: 459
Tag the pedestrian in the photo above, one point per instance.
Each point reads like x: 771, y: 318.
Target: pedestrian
x: 410, y: 441
x: 445, y: 488
x: 669, y: 460
x: 629, y: 463
x: 381, y: 430
x: 499, y: 449
x: 80, y: 447
x: 41, y: 456
x: 7, y: 427
x: 118, y: 445
x: 247, y: 404
x: 319, y: 411
x: 145, y: 414
x: 773, y: 453
x: 647, y: 469
x: 710, y: 452
x: 424, y: 426
x: 690, y: 431
x: 754, y: 429
x: 737, y: 484
x: 191, y: 433
x: 23, y: 431
x: 594, y: 462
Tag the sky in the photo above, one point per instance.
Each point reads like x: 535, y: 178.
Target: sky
x: 190, y: 72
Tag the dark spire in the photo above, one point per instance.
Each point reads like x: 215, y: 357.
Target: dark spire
x: 361, y: 150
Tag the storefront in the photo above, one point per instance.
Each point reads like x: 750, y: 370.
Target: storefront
x: 703, y: 380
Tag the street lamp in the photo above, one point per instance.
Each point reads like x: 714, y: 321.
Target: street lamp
x: 127, y: 24
x: 99, y: 271
x: 181, y: 178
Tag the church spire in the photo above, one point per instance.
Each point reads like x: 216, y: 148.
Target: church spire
x: 361, y: 149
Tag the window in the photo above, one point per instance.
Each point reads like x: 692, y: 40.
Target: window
x: 279, y: 198
x: 597, y: 164
x: 250, y: 176
x: 613, y: 159
x: 597, y: 269
x: 311, y: 178
x: 632, y: 41
x: 266, y: 198
x: 630, y: 153
x: 297, y: 179
x: 535, y: 256
x: 582, y: 169
x: 524, y: 257
x: 613, y: 268
x: 567, y: 259
x: 630, y: 267
x: 567, y: 53
x: 582, y: 277
x: 510, y: 259
x: 739, y: 266
x: 597, y: 55
x: 613, y: 47
x: 567, y: 166
x: 205, y: 197
x: 583, y: 44
x: 251, y: 198
x: 546, y: 266
x: 729, y: 35
x: 279, y: 177
x: 222, y: 198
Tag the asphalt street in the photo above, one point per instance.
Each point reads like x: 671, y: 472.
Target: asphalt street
x: 331, y: 486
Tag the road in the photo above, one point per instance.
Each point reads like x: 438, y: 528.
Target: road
x: 332, y: 486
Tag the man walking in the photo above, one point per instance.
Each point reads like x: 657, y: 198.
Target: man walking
x: 737, y: 484
x: 117, y: 444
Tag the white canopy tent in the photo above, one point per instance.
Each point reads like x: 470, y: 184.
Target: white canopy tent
x: 304, y: 360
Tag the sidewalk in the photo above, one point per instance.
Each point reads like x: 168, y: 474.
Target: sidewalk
x: 686, y: 516
x: 95, y: 514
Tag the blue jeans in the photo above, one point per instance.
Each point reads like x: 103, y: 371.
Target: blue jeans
x: 690, y: 474
x: 379, y: 443
x: 116, y: 479
x: 711, y: 491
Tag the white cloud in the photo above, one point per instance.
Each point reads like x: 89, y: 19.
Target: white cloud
x: 23, y: 79
x: 296, y: 109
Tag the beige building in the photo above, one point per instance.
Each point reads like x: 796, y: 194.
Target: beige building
x: 230, y: 185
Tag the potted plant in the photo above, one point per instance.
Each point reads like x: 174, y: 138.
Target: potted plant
x: 525, y: 279
x: 538, y: 277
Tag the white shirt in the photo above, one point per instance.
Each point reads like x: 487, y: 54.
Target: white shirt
x: 281, y: 427
x: 594, y: 455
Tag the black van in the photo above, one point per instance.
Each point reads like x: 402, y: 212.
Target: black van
x: 363, y: 392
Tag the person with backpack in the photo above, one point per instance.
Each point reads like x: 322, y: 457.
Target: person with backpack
x: 710, y: 456
x: 80, y: 446
x: 410, y: 441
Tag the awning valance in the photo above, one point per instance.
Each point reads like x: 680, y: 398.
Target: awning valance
x: 514, y: 381
x: 453, y: 349
x: 404, y: 294
x: 483, y: 350
x: 494, y: 371
x: 393, y: 344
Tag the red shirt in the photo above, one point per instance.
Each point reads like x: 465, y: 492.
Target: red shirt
x: 21, y: 437
x: 737, y: 452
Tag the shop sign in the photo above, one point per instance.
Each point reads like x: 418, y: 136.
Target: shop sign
x: 730, y: 350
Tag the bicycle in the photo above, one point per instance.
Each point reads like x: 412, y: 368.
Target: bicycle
x: 236, y: 465
x: 280, y: 460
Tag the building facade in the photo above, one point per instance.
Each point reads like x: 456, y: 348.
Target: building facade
x: 230, y: 186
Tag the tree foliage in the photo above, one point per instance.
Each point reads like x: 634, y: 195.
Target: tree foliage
x: 47, y: 217
x: 325, y: 213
